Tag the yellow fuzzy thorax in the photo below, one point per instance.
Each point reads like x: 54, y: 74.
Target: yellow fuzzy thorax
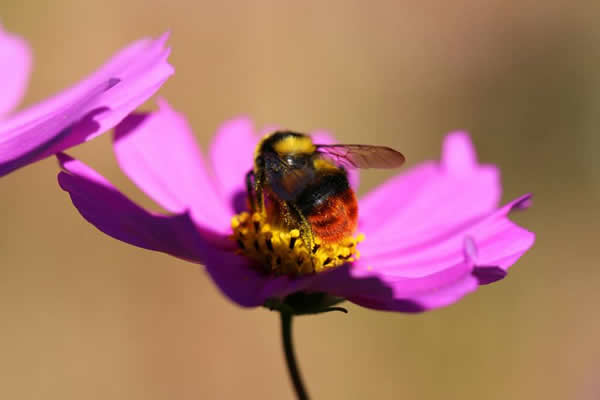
x: 294, y: 144
x: 277, y: 251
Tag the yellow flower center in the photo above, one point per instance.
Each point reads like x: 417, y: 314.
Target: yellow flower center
x: 277, y: 251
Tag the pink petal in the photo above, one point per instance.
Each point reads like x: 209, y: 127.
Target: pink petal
x: 158, y: 152
x: 373, y: 289
x: 434, y: 273
x: 232, y: 156
x: 15, y: 66
x: 447, y: 294
x: 458, y: 154
x: 395, y: 196
x: 243, y: 285
x: 101, y: 204
x: 492, y: 234
x: 432, y: 198
x: 87, y: 109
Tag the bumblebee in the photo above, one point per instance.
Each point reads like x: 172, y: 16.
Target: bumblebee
x: 302, y: 185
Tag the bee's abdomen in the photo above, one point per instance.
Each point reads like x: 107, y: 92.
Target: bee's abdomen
x: 330, y: 207
x: 336, y: 218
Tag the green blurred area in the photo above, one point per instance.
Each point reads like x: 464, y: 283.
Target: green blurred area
x: 87, y: 317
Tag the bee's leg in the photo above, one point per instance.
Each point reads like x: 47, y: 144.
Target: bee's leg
x: 250, y: 188
x: 305, y: 228
x: 258, y: 192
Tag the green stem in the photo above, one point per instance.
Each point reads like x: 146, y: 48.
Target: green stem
x: 290, y: 358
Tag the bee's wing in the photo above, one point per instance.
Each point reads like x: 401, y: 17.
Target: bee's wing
x: 361, y: 155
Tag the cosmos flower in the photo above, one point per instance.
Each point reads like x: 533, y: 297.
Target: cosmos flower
x: 80, y: 113
x: 432, y: 234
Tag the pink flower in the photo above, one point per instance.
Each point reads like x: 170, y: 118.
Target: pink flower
x: 433, y: 233
x: 79, y: 113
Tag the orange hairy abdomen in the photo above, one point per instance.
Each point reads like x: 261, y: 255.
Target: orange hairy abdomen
x: 336, y: 218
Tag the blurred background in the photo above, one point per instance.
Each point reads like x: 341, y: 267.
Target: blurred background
x: 87, y: 317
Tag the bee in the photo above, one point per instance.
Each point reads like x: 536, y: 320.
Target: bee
x: 304, y: 186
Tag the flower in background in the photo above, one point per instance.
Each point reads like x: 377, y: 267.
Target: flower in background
x: 79, y: 113
x: 433, y: 234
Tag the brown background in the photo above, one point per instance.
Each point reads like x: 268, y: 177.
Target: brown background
x: 84, y: 316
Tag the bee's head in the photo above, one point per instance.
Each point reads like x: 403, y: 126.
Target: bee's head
x: 284, y: 149
x: 284, y: 161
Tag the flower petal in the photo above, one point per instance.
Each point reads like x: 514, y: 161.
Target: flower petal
x: 232, y: 153
x: 432, y: 198
x: 102, y: 205
x: 458, y: 154
x: 394, y: 196
x: 434, y: 273
x: 87, y: 109
x: 371, y: 288
x: 158, y: 152
x: 494, y: 236
x: 15, y: 67
x: 445, y: 295
x: 242, y: 284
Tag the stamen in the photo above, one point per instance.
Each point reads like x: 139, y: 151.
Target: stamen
x: 256, y: 222
x: 284, y: 251
x: 294, y: 235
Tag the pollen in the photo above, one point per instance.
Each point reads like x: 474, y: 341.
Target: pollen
x: 278, y: 251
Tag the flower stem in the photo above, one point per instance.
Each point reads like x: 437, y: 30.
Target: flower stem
x: 290, y: 358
